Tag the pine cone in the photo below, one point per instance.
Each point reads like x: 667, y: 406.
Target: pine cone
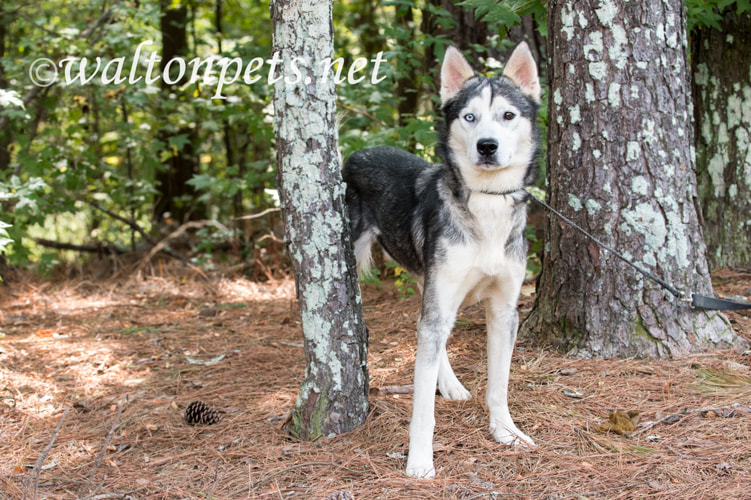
x: 198, y: 412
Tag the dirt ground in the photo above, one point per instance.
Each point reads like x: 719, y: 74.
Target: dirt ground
x: 96, y: 377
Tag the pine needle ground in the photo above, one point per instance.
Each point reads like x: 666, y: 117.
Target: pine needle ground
x: 125, y: 358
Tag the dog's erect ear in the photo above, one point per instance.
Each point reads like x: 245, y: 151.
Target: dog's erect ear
x: 454, y: 73
x: 522, y: 70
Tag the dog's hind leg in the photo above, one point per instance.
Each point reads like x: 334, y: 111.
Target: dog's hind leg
x: 448, y: 384
x: 503, y: 321
x: 363, y: 248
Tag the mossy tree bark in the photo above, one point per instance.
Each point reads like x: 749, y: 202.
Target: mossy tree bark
x: 721, y: 68
x: 334, y: 394
x: 620, y: 164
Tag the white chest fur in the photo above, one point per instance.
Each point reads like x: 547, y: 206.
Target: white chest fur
x: 493, y: 218
x: 481, y: 263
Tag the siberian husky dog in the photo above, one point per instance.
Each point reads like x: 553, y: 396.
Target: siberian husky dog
x: 459, y: 228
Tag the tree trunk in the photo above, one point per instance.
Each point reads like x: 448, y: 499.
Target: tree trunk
x: 180, y: 167
x: 6, y: 135
x: 227, y: 131
x: 407, y: 89
x: 465, y: 34
x: 334, y: 395
x: 620, y: 165
x: 364, y: 16
x: 720, y: 62
x: 528, y: 31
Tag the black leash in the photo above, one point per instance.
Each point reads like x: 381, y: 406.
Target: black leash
x: 696, y: 300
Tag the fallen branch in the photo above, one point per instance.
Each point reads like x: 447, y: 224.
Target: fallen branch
x: 198, y: 224
x: 112, y: 496
x: 258, y: 215
x: 680, y: 415
x: 687, y: 457
x: 364, y: 113
x: 395, y: 389
x: 272, y: 237
x: 33, y: 480
x: 133, y: 225
x: 107, y: 440
x: 99, y: 248
x: 130, y: 223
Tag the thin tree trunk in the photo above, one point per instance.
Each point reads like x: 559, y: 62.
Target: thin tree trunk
x: 6, y: 136
x: 620, y: 165
x: 364, y: 16
x: 466, y: 33
x: 408, y: 86
x: 227, y: 132
x: 720, y: 62
x: 528, y: 31
x: 179, y: 168
x: 334, y: 395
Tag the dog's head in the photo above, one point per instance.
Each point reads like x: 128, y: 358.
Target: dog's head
x: 489, y: 130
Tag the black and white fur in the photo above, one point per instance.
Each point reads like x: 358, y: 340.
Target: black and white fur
x: 458, y: 228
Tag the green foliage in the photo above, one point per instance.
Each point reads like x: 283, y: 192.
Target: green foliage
x: 105, y: 143
x: 709, y: 13
x: 27, y: 200
x: 404, y: 282
x: 534, y: 264
x: 74, y: 147
x: 507, y: 13
x: 372, y: 277
x: 372, y: 113
x: 490, y: 11
x: 4, y: 236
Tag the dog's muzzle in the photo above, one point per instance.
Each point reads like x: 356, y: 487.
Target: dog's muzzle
x: 486, y: 150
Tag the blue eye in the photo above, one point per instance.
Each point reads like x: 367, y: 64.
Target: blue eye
x: 469, y: 117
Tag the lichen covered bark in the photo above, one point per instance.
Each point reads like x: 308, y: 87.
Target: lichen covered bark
x: 721, y: 69
x: 334, y: 394
x: 620, y: 164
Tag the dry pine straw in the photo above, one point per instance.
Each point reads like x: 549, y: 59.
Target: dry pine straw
x: 117, y: 356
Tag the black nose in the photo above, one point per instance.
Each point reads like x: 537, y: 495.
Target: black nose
x: 487, y: 147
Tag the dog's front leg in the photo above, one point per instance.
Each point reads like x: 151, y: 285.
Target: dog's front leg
x: 433, y: 329
x: 503, y: 322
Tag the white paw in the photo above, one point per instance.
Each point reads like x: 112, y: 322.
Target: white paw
x: 453, y: 390
x: 509, y: 434
x: 420, y: 471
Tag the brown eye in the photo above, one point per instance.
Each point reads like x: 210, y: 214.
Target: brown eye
x: 508, y: 115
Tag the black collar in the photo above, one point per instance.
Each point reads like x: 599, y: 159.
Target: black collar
x: 500, y: 193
